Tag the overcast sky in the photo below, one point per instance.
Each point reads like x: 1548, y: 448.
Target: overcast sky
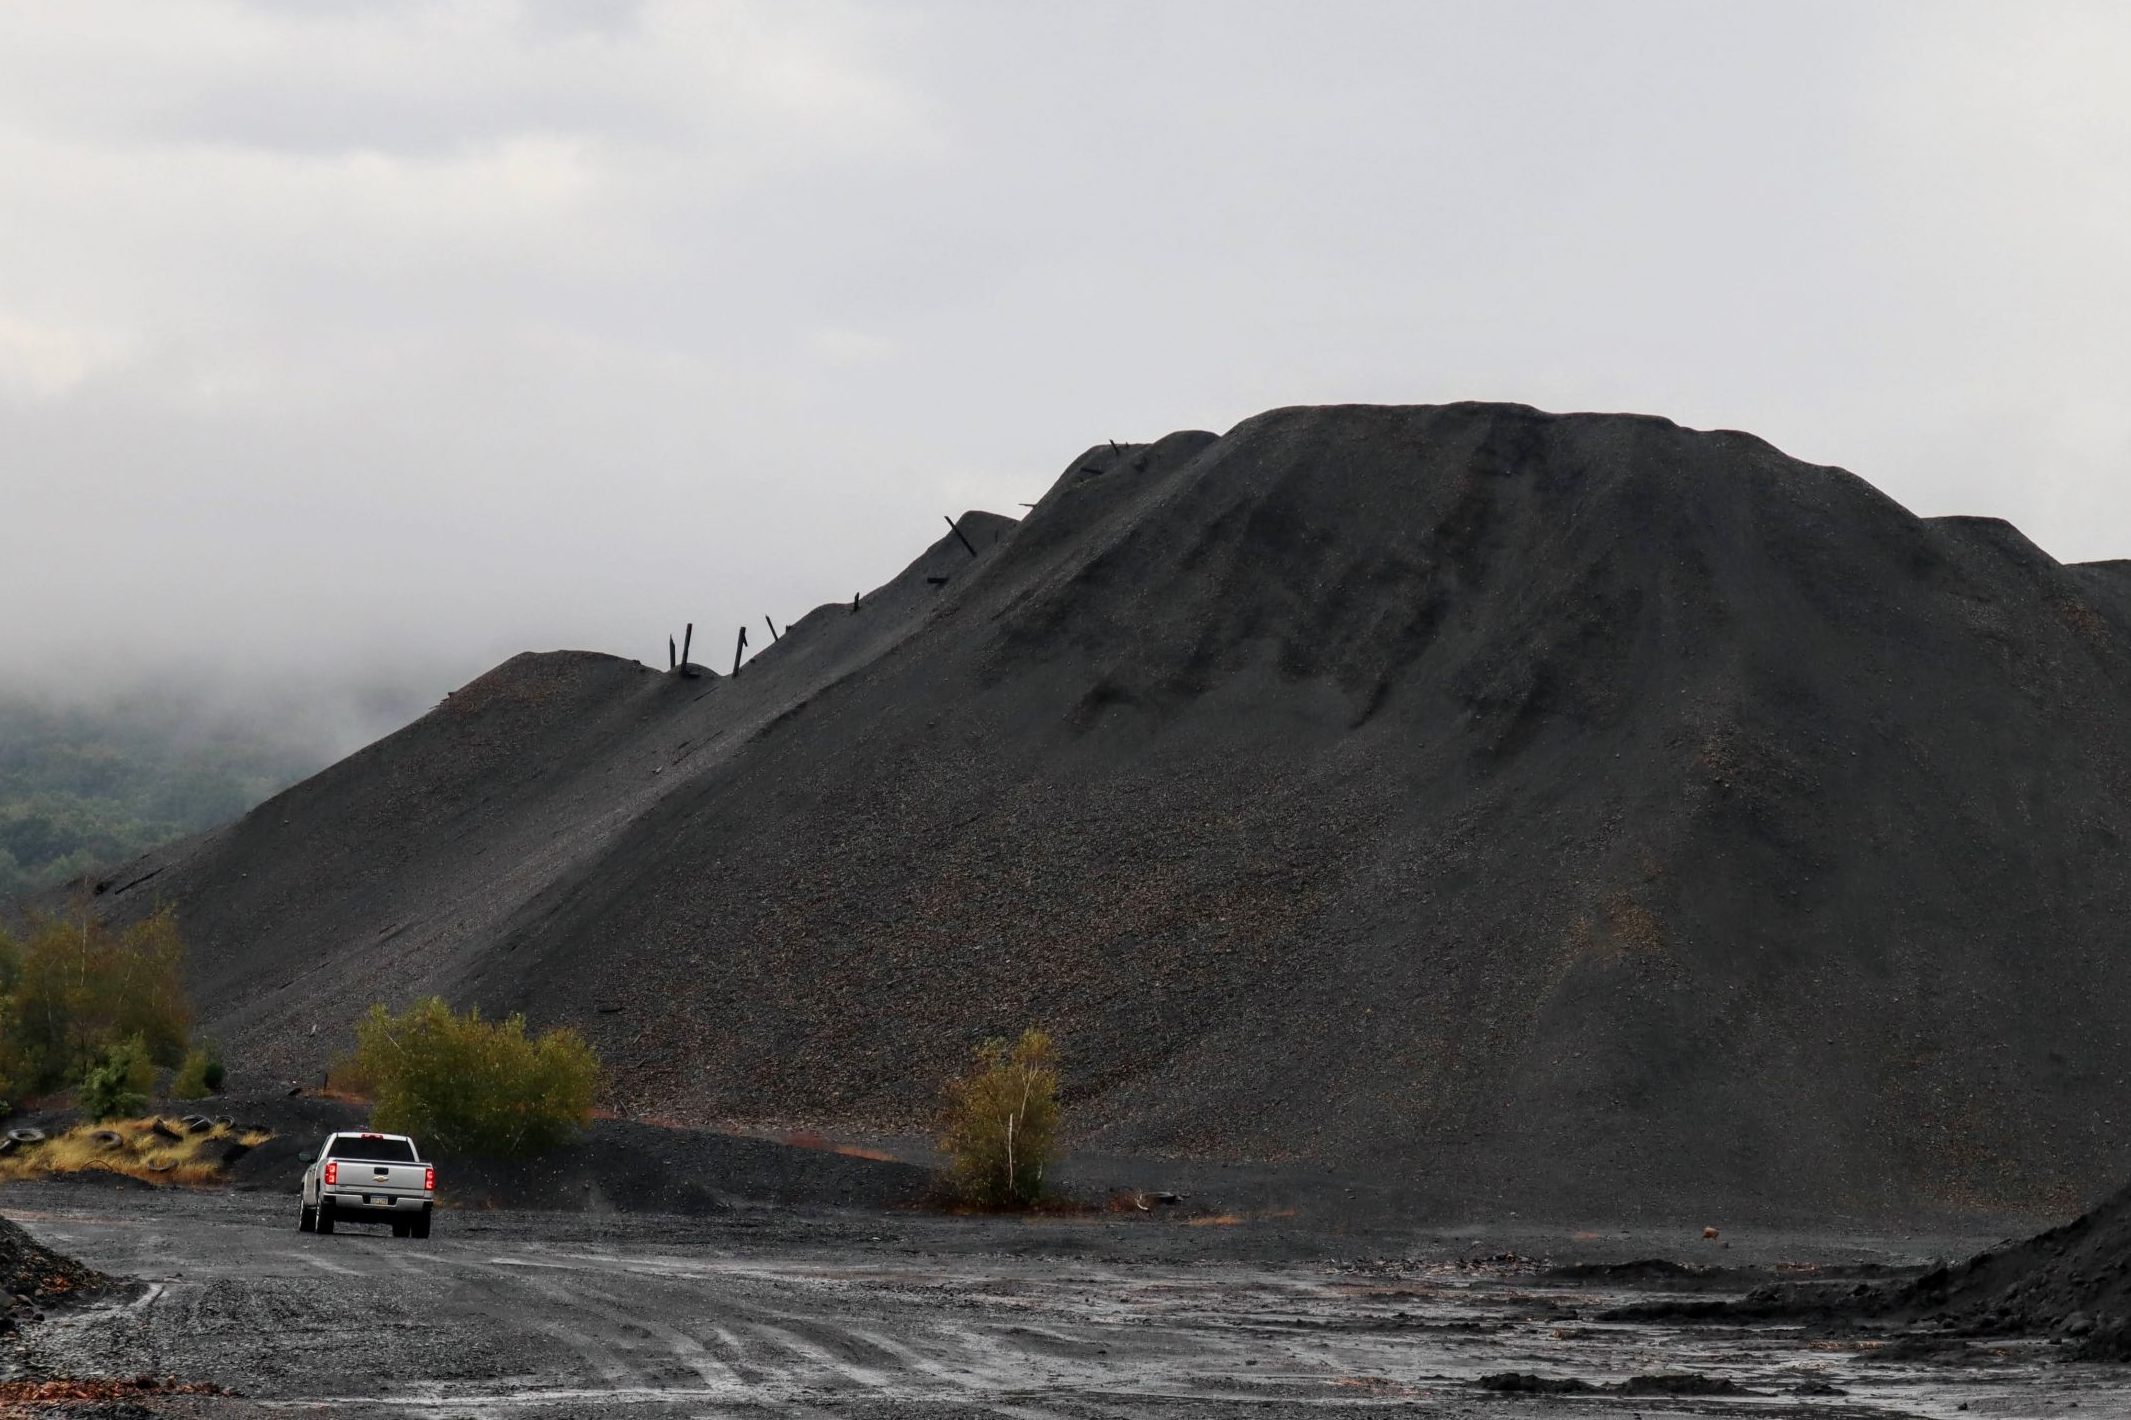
x: 386, y: 339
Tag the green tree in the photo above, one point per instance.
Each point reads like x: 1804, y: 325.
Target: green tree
x: 14, y: 1064
x: 1000, y: 1122
x: 74, y: 987
x: 462, y: 1084
x: 118, y: 1084
x: 200, y: 1075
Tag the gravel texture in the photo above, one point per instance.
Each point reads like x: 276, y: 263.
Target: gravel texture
x: 1574, y: 815
x: 33, y: 1277
x: 857, y: 1314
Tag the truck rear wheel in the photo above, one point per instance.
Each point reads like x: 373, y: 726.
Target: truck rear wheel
x: 421, y: 1224
x: 325, y: 1215
x: 306, y: 1219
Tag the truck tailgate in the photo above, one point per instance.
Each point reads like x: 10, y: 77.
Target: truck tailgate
x: 363, y: 1176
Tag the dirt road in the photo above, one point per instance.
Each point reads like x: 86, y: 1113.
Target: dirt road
x: 505, y: 1314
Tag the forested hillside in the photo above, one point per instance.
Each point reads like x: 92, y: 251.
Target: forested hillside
x: 82, y: 787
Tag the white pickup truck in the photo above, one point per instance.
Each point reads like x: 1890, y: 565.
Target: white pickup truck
x: 369, y: 1178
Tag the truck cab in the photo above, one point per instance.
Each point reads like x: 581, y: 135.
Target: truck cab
x: 368, y: 1178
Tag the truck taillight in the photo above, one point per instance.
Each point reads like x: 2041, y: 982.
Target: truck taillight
x: 429, y: 1178
x: 332, y: 1172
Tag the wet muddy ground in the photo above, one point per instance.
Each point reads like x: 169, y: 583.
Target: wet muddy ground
x: 911, y: 1315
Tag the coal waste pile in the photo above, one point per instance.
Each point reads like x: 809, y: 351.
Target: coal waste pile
x: 1575, y: 814
x: 33, y: 1277
x: 2072, y: 1283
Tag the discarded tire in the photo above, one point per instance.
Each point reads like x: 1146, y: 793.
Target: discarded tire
x: 223, y: 1121
x: 161, y: 1165
x: 26, y: 1136
x: 8, y: 1146
x: 197, y: 1123
x: 161, y: 1129
x: 107, y: 1139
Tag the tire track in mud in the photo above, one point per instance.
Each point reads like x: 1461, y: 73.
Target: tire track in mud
x: 654, y: 1338
x: 595, y: 1361
x: 741, y: 1349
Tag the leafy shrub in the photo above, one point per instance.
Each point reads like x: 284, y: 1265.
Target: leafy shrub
x: 462, y: 1084
x: 14, y: 1062
x: 117, y: 1084
x: 201, y: 1075
x: 1000, y: 1122
x: 75, y: 987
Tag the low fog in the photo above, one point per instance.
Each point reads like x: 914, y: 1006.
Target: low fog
x: 345, y: 350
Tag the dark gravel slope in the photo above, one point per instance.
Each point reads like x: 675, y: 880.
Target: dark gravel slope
x: 391, y: 873
x: 1570, y: 813
x: 31, y: 1273
x: 2072, y: 1281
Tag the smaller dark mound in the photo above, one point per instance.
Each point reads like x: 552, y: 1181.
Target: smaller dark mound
x: 2072, y: 1282
x: 1670, y: 1383
x: 618, y: 1166
x: 1681, y: 1383
x: 1827, y: 1303
x: 30, y: 1269
x: 300, y: 1124
x: 627, y: 1167
x: 1525, y: 1383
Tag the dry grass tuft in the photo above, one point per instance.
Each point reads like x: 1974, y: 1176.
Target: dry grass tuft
x: 141, y: 1154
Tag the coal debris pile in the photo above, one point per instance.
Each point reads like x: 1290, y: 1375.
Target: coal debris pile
x: 1686, y: 1383
x: 616, y: 1165
x: 33, y: 1277
x: 2072, y: 1282
x: 1569, y: 813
